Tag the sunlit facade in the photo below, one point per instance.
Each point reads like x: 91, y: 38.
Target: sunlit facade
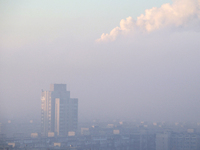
x: 59, y: 112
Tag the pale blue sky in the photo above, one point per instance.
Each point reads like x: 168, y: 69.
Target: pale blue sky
x: 78, y: 8
x: 25, y: 21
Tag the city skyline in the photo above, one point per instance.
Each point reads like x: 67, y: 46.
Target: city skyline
x: 123, y: 74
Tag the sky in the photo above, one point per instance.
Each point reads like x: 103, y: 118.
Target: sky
x: 124, y: 60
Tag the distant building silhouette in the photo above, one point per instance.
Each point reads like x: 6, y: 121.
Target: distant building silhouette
x: 59, y: 112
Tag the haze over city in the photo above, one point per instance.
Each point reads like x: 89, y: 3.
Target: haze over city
x: 127, y: 60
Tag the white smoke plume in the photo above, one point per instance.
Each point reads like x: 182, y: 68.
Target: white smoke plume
x: 181, y: 13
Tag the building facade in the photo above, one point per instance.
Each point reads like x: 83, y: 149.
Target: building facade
x: 163, y: 141
x: 59, y: 112
x: 185, y: 141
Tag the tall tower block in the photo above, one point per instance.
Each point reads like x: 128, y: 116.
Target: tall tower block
x: 59, y: 112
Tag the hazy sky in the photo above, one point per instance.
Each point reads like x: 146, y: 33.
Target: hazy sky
x: 122, y: 59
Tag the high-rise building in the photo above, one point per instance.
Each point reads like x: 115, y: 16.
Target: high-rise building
x: 59, y: 112
x: 163, y: 141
